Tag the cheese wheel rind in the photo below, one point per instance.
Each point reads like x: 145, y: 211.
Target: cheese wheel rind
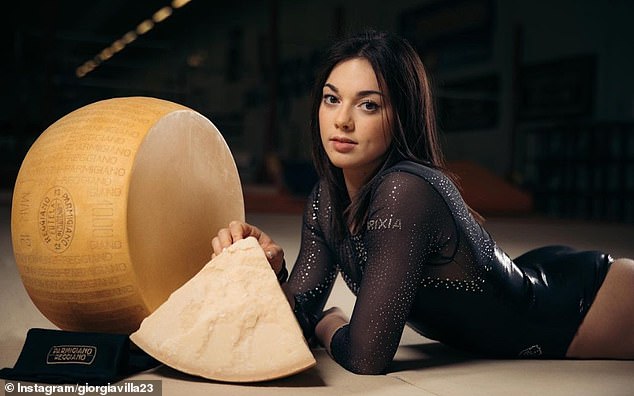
x: 94, y: 190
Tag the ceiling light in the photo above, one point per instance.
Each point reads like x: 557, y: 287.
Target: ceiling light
x: 118, y: 45
x: 129, y: 37
x: 162, y: 14
x: 179, y: 3
x: 145, y: 26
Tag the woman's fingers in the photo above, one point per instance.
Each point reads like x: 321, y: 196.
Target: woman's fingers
x: 275, y: 255
x: 273, y: 251
x: 238, y: 230
x: 227, y: 236
x: 217, y: 247
x: 222, y: 240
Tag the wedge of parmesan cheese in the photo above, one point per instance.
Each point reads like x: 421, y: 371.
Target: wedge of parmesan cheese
x: 230, y: 322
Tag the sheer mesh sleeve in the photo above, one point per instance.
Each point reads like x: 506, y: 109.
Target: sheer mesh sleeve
x: 408, y: 223
x: 314, y: 272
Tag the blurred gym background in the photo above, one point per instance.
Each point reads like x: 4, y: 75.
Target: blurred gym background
x: 535, y: 98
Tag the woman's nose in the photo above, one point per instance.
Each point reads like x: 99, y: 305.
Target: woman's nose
x: 343, y: 120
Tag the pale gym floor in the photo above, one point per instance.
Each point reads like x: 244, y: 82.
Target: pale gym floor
x: 421, y: 367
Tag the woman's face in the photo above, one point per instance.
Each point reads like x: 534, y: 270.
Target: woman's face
x: 354, y: 119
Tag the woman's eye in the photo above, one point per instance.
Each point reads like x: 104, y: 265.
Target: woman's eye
x: 369, y: 106
x: 330, y: 99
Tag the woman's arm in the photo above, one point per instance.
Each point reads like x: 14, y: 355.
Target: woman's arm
x: 314, y: 271
x: 404, y: 226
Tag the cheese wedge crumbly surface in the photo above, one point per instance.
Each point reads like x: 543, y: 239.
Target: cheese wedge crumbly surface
x: 230, y: 322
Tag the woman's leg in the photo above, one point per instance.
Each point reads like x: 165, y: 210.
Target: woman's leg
x: 608, y: 328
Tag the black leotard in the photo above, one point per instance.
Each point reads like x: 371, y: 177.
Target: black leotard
x: 423, y: 260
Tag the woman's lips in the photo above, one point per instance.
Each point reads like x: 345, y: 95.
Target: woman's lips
x: 343, y: 145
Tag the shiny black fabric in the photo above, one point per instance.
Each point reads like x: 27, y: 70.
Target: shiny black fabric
x: 423, y: 260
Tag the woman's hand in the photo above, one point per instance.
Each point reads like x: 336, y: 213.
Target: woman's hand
x: 239, y: 230
x: 331, y: 321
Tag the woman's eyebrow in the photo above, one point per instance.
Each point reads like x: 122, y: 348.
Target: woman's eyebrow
x: 359, y: 94
x: 332, y: 87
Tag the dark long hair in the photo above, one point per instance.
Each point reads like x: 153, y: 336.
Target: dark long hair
x: 401, y: 73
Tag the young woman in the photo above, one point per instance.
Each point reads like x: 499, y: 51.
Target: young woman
x: 387, y: 216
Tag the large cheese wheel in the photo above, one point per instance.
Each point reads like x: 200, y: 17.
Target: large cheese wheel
x: 231, y: 322
x: 115, y: 206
